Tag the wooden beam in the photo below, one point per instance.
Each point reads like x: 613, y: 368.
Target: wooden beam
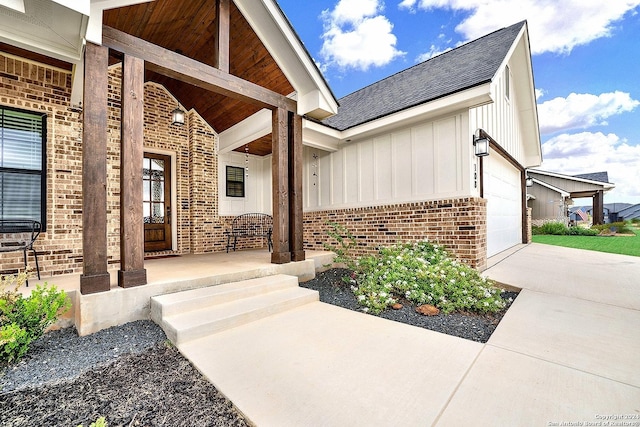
x: 296, y: 231
x: 280, y: 176
x: 598, y: 208
x: 132, y: 272
x: 171, y: 64
x: 95, y: 277
x: 222, y: 24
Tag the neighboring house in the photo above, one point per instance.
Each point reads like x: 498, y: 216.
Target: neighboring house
x: 620, y: 212
x: 397, y: 162
x: 92, y: 94
x: 552, y: 194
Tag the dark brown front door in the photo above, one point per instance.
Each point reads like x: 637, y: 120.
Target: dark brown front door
x: 156, y: 200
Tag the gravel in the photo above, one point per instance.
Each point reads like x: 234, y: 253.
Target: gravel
x: 134, y: 377
x: 474, y: 327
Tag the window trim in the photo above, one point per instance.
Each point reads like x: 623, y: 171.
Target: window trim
x: 507, y: 83
x: 227, y: 181
x: 43, y: 163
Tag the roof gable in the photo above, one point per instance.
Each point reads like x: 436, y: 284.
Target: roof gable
x: 464, y: 67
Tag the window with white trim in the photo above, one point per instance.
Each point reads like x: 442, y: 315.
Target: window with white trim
x: 23, y: 136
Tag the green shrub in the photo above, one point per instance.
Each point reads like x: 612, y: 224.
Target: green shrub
x: 100, y: 422
x: 581, y: 231
x: 553, y: 227
x: 423, y: 273
x: 24, y: 320
x: 619, y: 227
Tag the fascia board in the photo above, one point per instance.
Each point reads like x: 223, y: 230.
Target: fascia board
x: 319, y: 136
x: 80, y: 6
x: 606, y: 185
x: 250, y: 129
x: 551, y: 187
x: 267, y: 20
x: 464, y: 100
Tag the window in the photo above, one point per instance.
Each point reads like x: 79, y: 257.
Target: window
x: 22, y: 165
x: 507, y: 78
x: 235, y: 181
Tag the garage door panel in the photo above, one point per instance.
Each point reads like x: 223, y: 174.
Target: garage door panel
x: 502, y: 189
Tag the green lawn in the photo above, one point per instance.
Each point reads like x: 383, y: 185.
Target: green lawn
x: 624, y: 245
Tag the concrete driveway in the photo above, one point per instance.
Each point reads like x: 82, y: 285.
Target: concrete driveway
x: 566, y: 353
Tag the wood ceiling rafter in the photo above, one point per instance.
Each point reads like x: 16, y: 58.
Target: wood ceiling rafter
x: 178, y: 67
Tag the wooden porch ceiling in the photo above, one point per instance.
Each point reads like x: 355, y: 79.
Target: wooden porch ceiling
x: 189, y: 28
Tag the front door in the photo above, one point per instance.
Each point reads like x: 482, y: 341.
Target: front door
x: 156, y: 199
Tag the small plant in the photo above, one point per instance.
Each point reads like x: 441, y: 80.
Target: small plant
x: 581, y: 231
x: 617, y: 227
x: 423, y: 273
x: 24, y: 320
x: 345, y: 243
x: 100, y: 422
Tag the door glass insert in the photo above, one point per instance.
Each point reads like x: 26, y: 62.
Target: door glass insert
x: 153, y: 191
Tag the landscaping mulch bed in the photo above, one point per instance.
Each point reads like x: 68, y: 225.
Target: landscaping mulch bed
x: 131, y: 375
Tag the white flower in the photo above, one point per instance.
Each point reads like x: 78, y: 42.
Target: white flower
x: 383, y: 294
x: 361, y: 297
x: 366, y: 309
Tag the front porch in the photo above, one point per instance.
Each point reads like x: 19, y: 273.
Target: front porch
x: 93, y: 312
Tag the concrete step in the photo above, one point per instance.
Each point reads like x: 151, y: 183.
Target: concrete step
x: 190, y: 325
x: 195, y: 299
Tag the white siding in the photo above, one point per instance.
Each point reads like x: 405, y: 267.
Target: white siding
x: 426, y: 161
x: 500, y: 119
x: 257, y: 184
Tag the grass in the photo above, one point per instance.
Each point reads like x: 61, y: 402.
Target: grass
x: 623, y: 245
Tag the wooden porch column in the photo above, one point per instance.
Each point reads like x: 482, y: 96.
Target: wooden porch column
x: 598, y: 208
x: 280, y: 175
x: 132, y: 272
x: 95, y: 277
x: 296, y: 234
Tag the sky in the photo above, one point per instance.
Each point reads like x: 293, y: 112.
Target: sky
x: 585, y: 54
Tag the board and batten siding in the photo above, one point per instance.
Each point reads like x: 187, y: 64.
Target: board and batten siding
x: 427, y: 161
x: 257, y: 184
x: 500, y: 118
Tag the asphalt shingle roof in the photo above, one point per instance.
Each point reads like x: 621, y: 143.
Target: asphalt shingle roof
x: 595, y: 176
x: 464, y: 67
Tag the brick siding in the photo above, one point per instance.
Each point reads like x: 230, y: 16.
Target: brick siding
x: 36, y: 87
x: 458, y: 224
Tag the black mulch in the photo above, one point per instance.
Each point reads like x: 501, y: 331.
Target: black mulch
x: 134, y: 378
x: 475, y: 327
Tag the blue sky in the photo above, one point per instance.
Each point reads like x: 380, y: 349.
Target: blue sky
x: 586, y: 63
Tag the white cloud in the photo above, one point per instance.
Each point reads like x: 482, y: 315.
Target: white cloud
x: 356, y: 35
x: 581, y: 110
x: 554, y: 26
x: 540, y: 93
x: 586, y: 152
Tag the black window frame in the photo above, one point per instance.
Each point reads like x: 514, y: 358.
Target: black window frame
x: 43, y: 164
x: 231, y: 183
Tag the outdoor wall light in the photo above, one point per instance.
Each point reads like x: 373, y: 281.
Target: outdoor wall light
x: 529, y: 181
x: 481, y: 146
x: 177, y: 117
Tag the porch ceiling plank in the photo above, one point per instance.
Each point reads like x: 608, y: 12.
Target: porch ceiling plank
x: 171, y: 64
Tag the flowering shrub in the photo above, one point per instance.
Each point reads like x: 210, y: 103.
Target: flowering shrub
x: 423, y: 273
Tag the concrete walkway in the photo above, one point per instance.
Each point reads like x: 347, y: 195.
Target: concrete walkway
x: 567, y: 351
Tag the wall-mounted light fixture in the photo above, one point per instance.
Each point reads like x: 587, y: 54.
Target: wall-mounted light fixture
x: 481, y: 145
x: 529, y: 181
x: 177, y: 117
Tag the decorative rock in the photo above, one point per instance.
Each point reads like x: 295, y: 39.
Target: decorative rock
x: 396, y: 306
x: 428, y: 310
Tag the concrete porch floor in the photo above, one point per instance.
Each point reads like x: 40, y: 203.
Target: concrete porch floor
x: 93, y: 312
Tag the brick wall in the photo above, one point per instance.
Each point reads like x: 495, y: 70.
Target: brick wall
x: 32, y: 86
x: 458, y: 224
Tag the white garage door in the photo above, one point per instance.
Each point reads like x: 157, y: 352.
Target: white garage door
x: 502, y: 189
